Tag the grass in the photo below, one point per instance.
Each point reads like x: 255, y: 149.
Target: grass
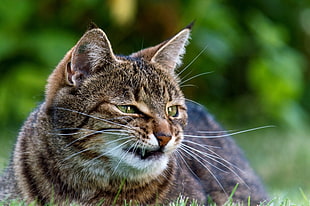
x: 183, y: 201
x: 281, y: 159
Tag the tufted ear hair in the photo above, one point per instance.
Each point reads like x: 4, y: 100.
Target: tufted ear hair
x: 91, y: 52
x: 169, y: 53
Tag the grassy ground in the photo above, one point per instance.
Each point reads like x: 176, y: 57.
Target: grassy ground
x: 282, y: 159
x: 182, y: 201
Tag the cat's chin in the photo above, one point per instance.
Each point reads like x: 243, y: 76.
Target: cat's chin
x: 139, y: 165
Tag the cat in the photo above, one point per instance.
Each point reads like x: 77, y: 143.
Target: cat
x: 115, y: 129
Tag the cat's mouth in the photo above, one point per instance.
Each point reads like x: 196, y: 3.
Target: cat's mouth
x: 145, y: 153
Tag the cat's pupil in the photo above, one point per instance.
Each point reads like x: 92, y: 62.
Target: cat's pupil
x: 173, y: 111
x: 128, y: 109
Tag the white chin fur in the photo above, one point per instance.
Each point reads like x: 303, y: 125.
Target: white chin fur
x: 134, y: 168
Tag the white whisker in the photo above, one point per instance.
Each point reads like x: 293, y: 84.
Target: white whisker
x: 111, y: 150
x: 193, y: 77
x: 201, y: 159
x: 203, y: 165
x: 73, y: 128
x: 188, y: 85
x: 194, y: 102
x: 241, y: 131
x: 228, y: 134
x: 201, y: 145
x: 75, y: 154
x: 97, y: 132
x: 71, y: 133
x: 67, y: 134
x: 184, y: 77
x: 97, y: 118
x: 123, y: 156
x: 191, y: 62
x: 80, y: 138
x: 116, y: 140
x: 113, y: 133
x: 217, y: 158
x: 207, y: 136
x: 184, y: 161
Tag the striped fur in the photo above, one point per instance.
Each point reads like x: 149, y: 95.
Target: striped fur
x: 115, y: 128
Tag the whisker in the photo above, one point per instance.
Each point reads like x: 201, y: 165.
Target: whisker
x: 194, y: 102
x: 188, y: 85
x: 75, y: 154
x: 123, y: 156
x: 191, y: 62
x: 72, y: 133
x: 193, y: 77
x: 207, y: 137
x: 202, y: 164
x: 217, y: 158
x: 184, y: 77
x: 86, y: 129
x: 96, y: 132
x: 94, y: 117
x: 80, y: 138
x: 212, y: 131
x: 114, y: 129
x: 111, y: 150
x: 72, y: 128
x: 241, y: 131
x: 184, y: 161
x: 116, y: 140
x: 228, y: 134
x: 67, y: 134
x: 201, y: 145
x: 197, y: 157
x: 113, y: 133
x: 89, y: 149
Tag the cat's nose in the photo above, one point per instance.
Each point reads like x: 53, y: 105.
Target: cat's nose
x: 162, y: 132
x: 162, y: 139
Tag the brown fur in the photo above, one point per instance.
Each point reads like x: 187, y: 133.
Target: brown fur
x: 68, y: 150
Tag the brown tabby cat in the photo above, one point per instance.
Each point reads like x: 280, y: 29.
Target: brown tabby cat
x: 116, y: 129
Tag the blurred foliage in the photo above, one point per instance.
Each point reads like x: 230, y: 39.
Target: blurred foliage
x: 258, y: 52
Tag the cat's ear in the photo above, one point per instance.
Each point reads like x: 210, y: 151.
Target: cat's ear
x: 169, y: 53
x: 92, y: 52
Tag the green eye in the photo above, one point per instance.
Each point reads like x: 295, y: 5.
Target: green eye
x: 128, y: 109
x: 173, y: 111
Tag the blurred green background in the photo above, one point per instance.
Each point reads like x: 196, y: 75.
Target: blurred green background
x: 258, y: 53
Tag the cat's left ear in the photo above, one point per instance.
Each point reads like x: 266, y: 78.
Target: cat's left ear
x: 169, y: 53
x: 92, y: 52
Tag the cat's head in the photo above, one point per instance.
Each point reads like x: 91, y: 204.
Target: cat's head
x: 118, y: 115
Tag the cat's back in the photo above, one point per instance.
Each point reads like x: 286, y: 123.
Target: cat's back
x: 211, y: 157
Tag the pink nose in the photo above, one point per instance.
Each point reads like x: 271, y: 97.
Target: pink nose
x: 162, y: 132
x: 162, y: 139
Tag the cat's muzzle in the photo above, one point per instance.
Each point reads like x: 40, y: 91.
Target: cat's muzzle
x: 144, y: 153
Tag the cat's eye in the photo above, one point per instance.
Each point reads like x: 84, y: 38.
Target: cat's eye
x: 128, y: 109
x: 173, y: 111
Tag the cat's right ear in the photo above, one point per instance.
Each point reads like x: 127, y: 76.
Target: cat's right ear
x: 92, y: 52
x: 169, y: 53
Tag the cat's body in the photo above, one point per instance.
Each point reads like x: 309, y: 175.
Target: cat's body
x: 114, y: 129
